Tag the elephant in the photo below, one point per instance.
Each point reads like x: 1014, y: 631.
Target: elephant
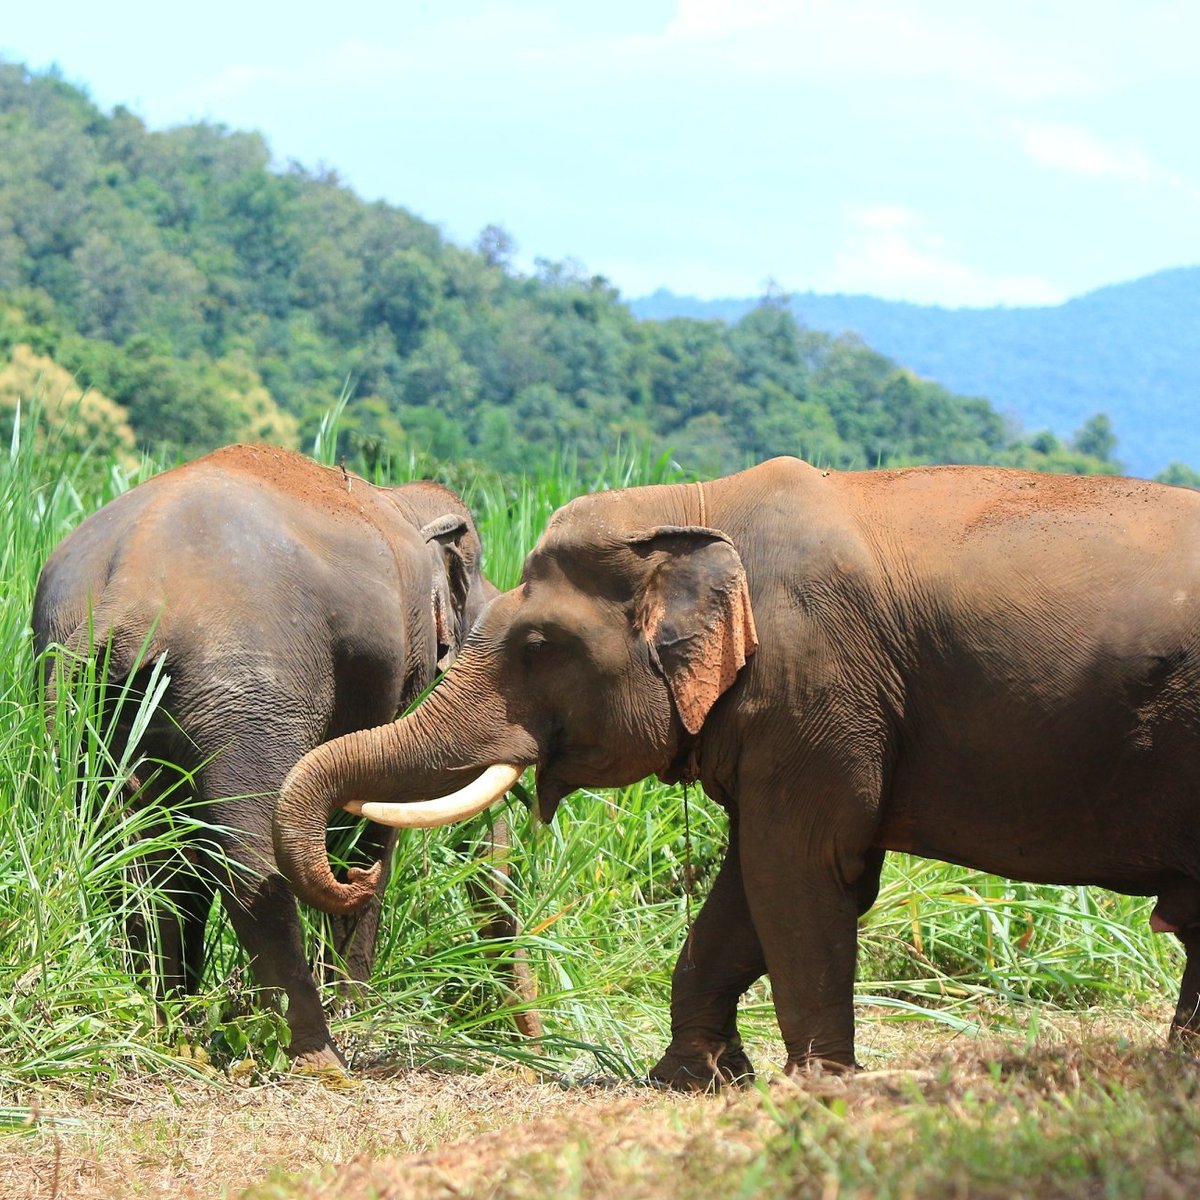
x: 987, y: 666
x: 294, y: 603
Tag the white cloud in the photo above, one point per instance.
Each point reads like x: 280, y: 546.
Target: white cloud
x: 481, y: 42
x: 884, y: 217
x: 1078, y: 151
x: 1019, y: 50
x: 1068, y: 148
x: 357, y: 59
x: 890, y: 253
x: 719, y: 18
x: 239, y: 79
x: 346, y: 63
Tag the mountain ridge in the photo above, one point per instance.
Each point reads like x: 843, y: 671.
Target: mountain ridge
x: 1131, y: 350
x: 203, y: 296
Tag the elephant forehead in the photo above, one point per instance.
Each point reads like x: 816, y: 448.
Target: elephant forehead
x: 612, y: 516
x: 584, y: 562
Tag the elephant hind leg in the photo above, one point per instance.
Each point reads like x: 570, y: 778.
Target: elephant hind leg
x: 263, y: 914
x: 167, y: 934
x: 240, y: 790
x: 165, y: 927
x: 194, y: 912
x: 1185, y: 1025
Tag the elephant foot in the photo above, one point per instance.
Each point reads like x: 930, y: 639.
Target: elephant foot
x: 801, y: 1068
x: 327, y: 1067
x: 1185, y: 1036
x: 698, y: 1071
x: 314, y: 1061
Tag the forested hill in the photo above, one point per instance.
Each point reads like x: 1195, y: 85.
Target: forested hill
x: 203, y: 296
x: 1132, y: 350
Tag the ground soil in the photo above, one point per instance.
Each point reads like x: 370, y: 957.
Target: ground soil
x: 190, y: 1139
x: 414, y: 1134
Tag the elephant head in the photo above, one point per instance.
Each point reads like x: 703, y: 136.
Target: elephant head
x: 599, y: 669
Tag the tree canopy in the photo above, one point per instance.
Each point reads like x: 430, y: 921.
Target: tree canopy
x: 207, y: 296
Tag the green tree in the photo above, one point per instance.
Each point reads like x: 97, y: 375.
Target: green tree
x: 210, y: 296
x: 437, y: 375
x: 1095, y: 437
x: 1179, y: 475
x: 403, y: 294
x: 496, y: 246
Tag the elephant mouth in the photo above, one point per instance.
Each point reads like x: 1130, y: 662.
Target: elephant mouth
x: 551, y: 786
x: 550, y: 780
x: 556, y: 777
x: 684, y: 767
x: 549, y: 796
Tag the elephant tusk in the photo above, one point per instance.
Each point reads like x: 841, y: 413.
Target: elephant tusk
x: 481, y: 793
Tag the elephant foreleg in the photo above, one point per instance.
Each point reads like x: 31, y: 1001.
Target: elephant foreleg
x: 802, y: 886
x: 495, y: 900
x: 354, y: 938
x: 720, y: 959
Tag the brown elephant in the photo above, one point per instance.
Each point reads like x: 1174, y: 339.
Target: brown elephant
x: 991, y: 667
x: 294, y: 603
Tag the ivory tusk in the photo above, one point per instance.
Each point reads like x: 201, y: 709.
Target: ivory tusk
x: 479, y: 794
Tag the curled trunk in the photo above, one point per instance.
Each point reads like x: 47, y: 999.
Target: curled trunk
x: 380, y: 771
x: 314, y: 788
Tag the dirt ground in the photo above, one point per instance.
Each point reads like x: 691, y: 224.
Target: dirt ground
x: 415, y: 1134
x: 190, y: 1139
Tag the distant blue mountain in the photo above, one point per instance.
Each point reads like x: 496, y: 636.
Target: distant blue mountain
x: 1131, y: 350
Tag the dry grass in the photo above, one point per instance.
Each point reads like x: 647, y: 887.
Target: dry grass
x: 1095, y: 1108
x: 193, y: 1139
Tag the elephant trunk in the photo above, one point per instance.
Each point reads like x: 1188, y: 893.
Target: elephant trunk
x: 314, y: 788
x: 379, y: 773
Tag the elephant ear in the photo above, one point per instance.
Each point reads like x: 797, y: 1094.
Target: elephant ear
x: 694, y: 609
x: 451, y: 582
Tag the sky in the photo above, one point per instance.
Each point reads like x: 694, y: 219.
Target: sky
x: 937, y: 151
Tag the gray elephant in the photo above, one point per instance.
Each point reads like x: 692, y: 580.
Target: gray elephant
x: 986, y: 666
x: 294, y: 603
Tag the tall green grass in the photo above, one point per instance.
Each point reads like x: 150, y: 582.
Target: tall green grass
x: 69, y: 844
x: 601, y: 894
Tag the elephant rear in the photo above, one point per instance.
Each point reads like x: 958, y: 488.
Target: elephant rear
x: 76, y: 610
x: 294, y: 603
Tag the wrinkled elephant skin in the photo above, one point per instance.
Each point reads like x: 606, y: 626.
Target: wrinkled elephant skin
x: 990, y: 667
x: 294, y: 603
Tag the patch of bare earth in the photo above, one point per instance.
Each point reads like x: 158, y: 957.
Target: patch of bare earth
x: 189, y: 1139
x: 960, y: 1117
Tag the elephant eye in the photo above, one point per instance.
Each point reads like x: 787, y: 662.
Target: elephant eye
x: 534, y: 644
